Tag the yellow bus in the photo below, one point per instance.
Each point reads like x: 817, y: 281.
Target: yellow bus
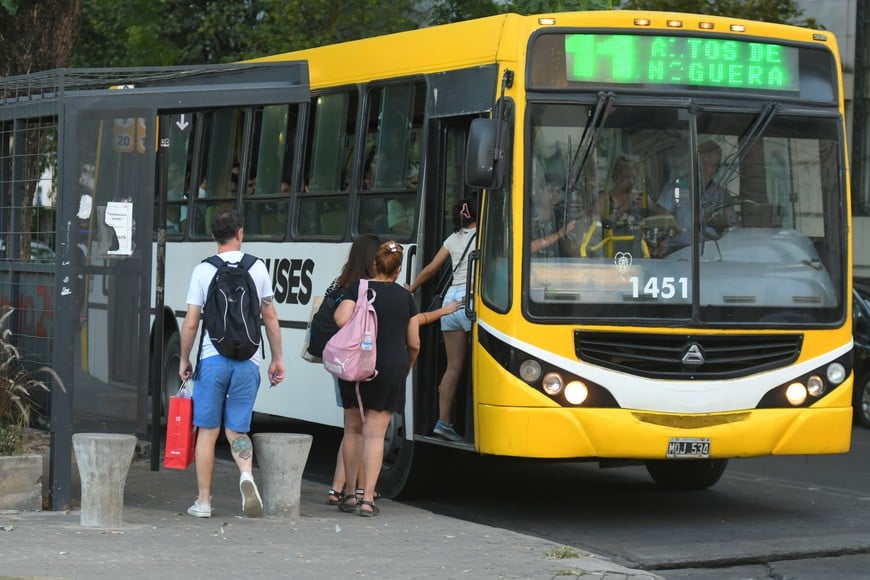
x: 662, y: 269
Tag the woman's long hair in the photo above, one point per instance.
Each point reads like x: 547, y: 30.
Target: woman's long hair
x: 360, y: 260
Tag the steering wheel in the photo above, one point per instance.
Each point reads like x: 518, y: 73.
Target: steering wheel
x: 717, y: 218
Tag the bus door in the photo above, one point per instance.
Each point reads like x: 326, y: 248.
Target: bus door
x: 462, y: 96
x: 106, y: 262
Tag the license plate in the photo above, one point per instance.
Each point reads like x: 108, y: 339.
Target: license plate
x: 688, y: 448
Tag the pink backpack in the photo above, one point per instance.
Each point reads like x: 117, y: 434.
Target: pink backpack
x: 351, y: 353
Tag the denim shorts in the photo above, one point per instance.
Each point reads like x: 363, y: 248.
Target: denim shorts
x: 458, y: 320
x: 224, y: 393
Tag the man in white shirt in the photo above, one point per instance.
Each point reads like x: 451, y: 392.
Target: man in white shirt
x: 226, y: 388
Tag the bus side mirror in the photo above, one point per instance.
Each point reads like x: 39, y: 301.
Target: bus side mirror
x: 484, y: 157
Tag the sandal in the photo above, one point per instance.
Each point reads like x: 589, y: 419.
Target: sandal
x: 371, y: 512
x: 360, y: 492
x: 334, y: 497
x: 346, y: 507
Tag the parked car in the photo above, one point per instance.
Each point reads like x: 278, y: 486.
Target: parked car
x: 861, y: 333
x: 39, y: 251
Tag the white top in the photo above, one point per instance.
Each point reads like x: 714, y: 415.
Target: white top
x: 200, y: 280
x: 456, y: 244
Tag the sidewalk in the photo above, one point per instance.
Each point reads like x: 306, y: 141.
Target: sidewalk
x: 159, y: 540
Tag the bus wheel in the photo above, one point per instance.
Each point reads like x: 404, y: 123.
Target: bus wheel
x: 686, y: 475
x: 398, y: 456
x: 862, y: 401
x: 169, y: 372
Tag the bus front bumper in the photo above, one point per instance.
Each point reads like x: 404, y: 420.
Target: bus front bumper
x: 561, y: 433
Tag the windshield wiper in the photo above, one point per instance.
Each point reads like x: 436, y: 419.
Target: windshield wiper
x: 747, y: 141
x: 597, y: 116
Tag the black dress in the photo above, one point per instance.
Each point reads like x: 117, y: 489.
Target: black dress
x: 394, y: 306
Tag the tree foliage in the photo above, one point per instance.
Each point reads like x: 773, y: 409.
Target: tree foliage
x: 445, y: 11
x: 550, y: 6
x: 168, y: 32
x: 780, y: 11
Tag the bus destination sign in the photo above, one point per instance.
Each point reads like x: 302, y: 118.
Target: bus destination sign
x: 681, y: 60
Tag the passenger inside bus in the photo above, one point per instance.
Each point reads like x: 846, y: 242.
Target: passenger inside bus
x: 623, y: 210
x: 373, y: 216
x: 371, y: 166
x: 548, y: 229
x: 675, y: 199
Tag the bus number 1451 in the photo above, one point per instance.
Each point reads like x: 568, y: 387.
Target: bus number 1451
x: 665, y: 287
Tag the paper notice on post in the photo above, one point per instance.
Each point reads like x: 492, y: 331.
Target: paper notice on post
x: 119, y: 217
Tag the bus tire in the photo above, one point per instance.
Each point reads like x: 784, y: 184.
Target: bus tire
x: 395, y: 478
x: 862, y: 401
x: 686, y: 475
x: 169, y: 381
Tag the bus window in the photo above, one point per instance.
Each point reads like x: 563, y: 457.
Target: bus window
x: 781, y: 184
x: 218, y: 171
x: 394, y: 120
x: 178, y: 173
x: 373, y: 215
x: 331, y: 141
x: 392, y: 162
x: 323, y: 203
x: 265, y: 203
x: 495, y: 274
x: 750, y: 191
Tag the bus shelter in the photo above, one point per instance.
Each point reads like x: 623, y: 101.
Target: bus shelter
x: 82, y: 191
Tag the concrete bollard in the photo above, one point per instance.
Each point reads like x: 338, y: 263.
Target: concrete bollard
x: 281, y: 457
x: 103, y: 460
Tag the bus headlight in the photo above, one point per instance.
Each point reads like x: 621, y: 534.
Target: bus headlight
x: 815, y: 385
x: 552, y: 384
x: 796, y: 394
x: 576, y: 392
x: 530, y: 370
x: 836, y: 373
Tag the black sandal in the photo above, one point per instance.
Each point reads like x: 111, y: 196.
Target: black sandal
x: 360, y: 492
x: 368, y: 513
x: 334, y: 497
x: 347, y: 508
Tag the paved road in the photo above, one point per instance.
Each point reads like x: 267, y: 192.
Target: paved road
x: 788, y: 517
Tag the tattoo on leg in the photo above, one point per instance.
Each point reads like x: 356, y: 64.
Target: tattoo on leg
x: 242, y: 447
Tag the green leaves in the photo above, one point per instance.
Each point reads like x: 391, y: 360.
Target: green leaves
x: 781, y: 11
x: 172, y: 32
x: 11, y: 6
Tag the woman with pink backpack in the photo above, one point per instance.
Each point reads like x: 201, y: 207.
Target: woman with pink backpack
x: 398, y: 344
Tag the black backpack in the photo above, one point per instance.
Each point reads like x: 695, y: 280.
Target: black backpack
x: 323, y: 325
x: 231, y: 313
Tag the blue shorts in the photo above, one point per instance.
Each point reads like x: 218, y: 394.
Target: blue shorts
x: 458, y: 320
x: 224, y: 393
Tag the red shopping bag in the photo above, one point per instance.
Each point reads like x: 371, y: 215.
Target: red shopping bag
x: 180, y: 432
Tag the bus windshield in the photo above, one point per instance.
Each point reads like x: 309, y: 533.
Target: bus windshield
x: 702, y: 215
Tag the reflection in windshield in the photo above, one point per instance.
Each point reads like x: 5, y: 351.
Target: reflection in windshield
x: 749, y: 200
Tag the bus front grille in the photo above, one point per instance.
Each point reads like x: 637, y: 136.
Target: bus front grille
x: 680, y: 356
